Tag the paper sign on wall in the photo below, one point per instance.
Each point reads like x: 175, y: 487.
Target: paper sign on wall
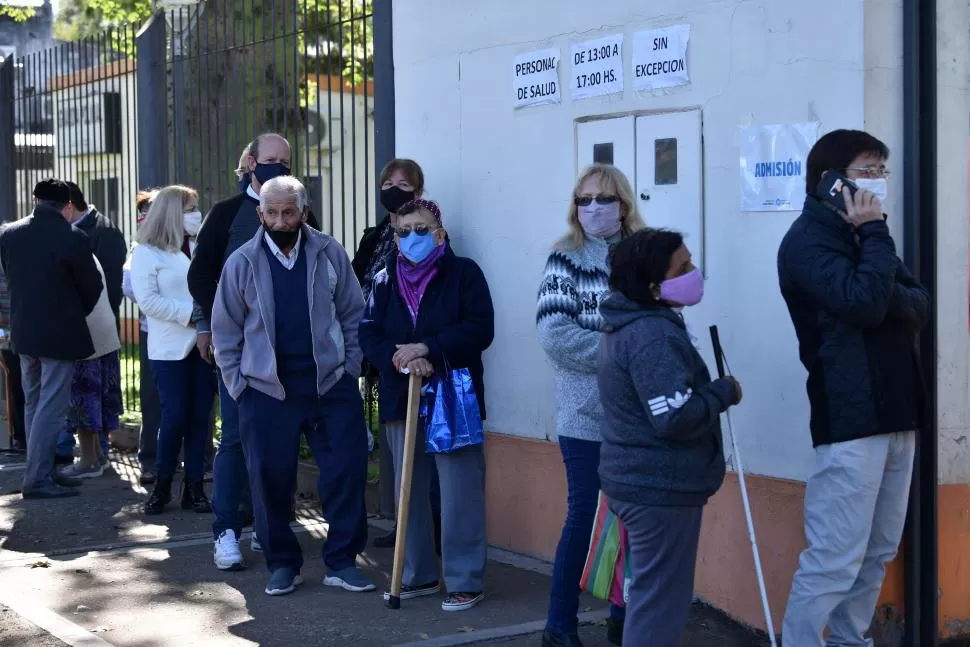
x: 773, y: 165
x: 535, y: 78
x: 660, y: 58
x: 597, y: 67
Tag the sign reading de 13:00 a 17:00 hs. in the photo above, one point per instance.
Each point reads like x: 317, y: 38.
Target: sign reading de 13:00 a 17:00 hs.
x: 597, y: 67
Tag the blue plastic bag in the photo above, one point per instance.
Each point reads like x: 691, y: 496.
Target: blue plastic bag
x: 452, y: 418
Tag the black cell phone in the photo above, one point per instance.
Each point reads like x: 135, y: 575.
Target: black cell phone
x: 830, y: 189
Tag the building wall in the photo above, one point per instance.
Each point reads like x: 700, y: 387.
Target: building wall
x: 504, y: 177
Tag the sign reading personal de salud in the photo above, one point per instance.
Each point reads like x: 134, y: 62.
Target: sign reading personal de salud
x: 535, y: 78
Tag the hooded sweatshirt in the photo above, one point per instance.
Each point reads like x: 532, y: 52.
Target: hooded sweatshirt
x: 662, y: 441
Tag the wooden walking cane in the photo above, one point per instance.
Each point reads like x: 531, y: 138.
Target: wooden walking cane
x: 407, y: 468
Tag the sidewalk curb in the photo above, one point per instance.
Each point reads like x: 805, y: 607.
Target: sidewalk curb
x: 500, y: 633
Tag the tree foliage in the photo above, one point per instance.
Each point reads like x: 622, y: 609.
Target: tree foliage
x: 18, y: 14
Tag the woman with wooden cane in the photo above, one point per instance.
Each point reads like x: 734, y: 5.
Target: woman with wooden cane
x: 430, y: 314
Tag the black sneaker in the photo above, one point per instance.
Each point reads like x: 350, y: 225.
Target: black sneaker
x: 419, y: 591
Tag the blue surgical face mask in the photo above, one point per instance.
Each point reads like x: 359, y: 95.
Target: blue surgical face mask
x: 266, y: 172
x: 416, y: 247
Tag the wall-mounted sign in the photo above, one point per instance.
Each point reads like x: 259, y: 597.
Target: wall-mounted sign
x: 535, y: 78
x: 660, y: 58
x: 773, y: 165
x: 597, y: 67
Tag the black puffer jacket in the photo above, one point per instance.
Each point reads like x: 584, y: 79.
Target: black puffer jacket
x: 856, y: 311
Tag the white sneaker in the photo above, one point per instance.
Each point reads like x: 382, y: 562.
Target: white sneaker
x: 226, y: 555
x: 254, y: 544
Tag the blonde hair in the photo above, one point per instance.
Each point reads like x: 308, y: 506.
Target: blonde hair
x: 164, y: 226
x: 612, y: 181
x: 243, y: 167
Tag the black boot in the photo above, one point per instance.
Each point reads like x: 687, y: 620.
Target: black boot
x: 194, y: 498
x: 614, y: 631
x: 160, y: 497
x: 386, y: 541
x: 550, y: 639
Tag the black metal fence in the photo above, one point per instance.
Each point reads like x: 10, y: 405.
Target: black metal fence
x: 178, y: 99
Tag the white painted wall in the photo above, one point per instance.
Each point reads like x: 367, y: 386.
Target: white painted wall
x: 506, y: 184
x: 953, y: 141
x: 504, y: 177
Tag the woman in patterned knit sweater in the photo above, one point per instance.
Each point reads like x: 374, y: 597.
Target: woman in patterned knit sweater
x: 603, y: 211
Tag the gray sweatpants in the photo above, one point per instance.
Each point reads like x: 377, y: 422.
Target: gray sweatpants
x: 463, y: 543
x: 47, y: 398
x: 663, y: 554
x: 855, y: 508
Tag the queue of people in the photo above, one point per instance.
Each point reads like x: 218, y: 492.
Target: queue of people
x: 254, y: 297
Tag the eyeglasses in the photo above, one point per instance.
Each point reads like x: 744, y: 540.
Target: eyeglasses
x: 601, y: 199
x: 868, y: 172
x: 420, y: 230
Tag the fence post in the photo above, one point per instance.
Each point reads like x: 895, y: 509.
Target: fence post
x: 383, y: 87
x: 152, y: 103
x: 8, y: 168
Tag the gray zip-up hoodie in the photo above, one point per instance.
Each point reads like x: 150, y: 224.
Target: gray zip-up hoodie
x: 244, y: 316
x: 662, y: 438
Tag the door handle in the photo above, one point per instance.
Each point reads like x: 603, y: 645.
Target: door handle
x: 644, y: 196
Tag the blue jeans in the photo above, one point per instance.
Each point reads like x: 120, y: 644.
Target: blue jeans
x: 230, y: 479
x: 185, y: 394
x: 582, y: 461
x: 335, y: 430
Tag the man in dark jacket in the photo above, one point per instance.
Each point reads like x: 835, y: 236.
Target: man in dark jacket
x: 228, y: 225
x: 856, y: 311
x: 54, y: 285
x: 109, y: 246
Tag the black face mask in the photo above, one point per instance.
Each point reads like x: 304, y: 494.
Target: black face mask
x: 394, y: 197
x: 283, y: 238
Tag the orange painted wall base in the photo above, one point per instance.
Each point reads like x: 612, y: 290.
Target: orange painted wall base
x: 526, y: 506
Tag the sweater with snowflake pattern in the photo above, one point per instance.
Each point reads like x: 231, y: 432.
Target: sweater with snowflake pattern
x: 569, y: 326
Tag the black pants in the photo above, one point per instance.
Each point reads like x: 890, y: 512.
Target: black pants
x: 16, y: 394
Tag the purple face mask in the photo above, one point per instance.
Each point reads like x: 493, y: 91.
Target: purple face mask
x: 600, y: 220
x: 685, y: 290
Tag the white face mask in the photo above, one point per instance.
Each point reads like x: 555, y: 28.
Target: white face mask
x: 192, y: 222
x: 877, y: 186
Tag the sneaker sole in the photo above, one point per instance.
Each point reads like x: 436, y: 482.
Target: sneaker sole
x: 410, y: 595
x: 339, y: 583
x: 297, y: 581
x: 230, y: 566
x: 462, y: 607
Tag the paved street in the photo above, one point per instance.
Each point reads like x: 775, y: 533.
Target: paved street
x: 93, y: 571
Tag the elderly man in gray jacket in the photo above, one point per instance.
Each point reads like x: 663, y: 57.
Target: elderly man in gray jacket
x: 284, y: 327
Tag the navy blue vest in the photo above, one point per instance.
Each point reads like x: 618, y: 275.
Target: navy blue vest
x: 295, y: 363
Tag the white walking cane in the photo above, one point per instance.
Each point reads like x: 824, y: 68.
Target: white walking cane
x: 721, y: 360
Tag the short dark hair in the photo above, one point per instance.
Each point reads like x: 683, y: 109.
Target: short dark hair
x: 51, y: 192
x: 77, y: 197
x: 641, y: 261
x: 411, y: 169
x: 834, y: 151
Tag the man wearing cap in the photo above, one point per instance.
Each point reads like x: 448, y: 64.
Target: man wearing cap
x: 54, y: 285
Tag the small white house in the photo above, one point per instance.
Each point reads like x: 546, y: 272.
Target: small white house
x: 709, y: 108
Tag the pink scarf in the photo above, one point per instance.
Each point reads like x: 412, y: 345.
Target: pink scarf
x: 413, y: 279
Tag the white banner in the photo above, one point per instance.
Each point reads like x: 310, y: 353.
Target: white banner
x: 660, y: 58
x: 535, y: 78
x: 773, y: 165
x: 597, y: 67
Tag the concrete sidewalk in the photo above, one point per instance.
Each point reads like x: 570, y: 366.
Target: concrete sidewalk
x: 92, y: 570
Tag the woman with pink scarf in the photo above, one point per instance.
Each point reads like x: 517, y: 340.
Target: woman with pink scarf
x: 430, y: 311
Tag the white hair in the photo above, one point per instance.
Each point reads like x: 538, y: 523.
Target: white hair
x: 287, y: 186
